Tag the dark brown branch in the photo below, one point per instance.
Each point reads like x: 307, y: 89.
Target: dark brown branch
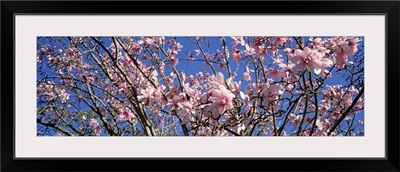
x: 346, y: 112
x: 229, y: 130
x: 205, y: 57
x: 288, y: 113
x: 97, y: 110
x: 55, y: 126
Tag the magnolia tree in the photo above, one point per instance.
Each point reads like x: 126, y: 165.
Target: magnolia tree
x: 200, y: 86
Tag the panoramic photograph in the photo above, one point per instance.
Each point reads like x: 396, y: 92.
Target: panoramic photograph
x: 200, y: 86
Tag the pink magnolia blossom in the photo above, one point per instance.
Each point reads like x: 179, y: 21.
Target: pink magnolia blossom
x: 286, y: 70
x: 342, y: 49
x: 353, y: 44
x: 295, y: 78
x: 149, y: 41
x: 249, y: 50
x: 236, y: 55
x: 217, y: 81
x: 289, y: 52
x: 247, y: 74
x: 280, y: 40
x: 96, y: 126
x: 197, y: 52
x: 146, y: 95
x: 122, y: 87
x: 185, y: 110
x: 174, y: 61
x: 278, y: 61
x: 93, y: 122
x: 323, y: 124
x: 222, y: 65
x: 125, y: 115
x: 235, y: 87
x: 151, y: 95
x: 273, y: 72
x: 221, y: 98
x: 97, y: 130
x: 136, y: 48
x: 238, y: 40
x: 270, y: 92
x: 317, y: 42
x: 144, y: 57
x: 289, y: 88
x: 295, y: 119
x: 64, y: 97
x: 179, y: 46
x: 311, y: 60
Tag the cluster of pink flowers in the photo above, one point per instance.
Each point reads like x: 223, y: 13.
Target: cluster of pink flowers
x: 125, y: 115
x: 51, y: 92
x: 266, y: 76
x: 94, y: 124
x: 309, y: 59
x: 343, y: 49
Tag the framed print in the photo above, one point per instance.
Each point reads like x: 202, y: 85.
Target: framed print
x: 314, y: 85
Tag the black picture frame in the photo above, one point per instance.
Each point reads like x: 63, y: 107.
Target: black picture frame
x: 10, y: 8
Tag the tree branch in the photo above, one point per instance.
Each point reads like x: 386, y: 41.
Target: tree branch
x: 346, y: 112
x: 55, y: 126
